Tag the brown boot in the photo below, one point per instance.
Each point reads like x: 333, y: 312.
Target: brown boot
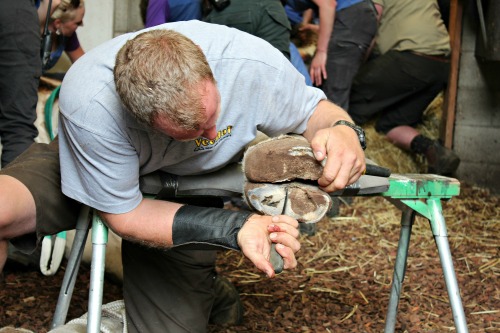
x: 227, y: 308
x: 441, y: 160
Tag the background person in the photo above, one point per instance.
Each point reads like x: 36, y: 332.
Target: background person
x: 345, y: 33
x: 266, y: 19
x: 65, y: 19
x: 409, y: 70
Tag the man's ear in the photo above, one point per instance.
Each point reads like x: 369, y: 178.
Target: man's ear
x: 57, y: 24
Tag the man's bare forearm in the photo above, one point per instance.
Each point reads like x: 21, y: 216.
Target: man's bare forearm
x: 149, y: 223
x: 325, y: 115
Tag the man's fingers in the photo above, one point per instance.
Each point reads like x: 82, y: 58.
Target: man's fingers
x: 262, y: 264
x: 355, y: 174
x: 255, y: 242
x: 284, y: 228
x: 289, y: 261
x: 317, y: 74
x: 288, y: 256
x: 330, y: 173
x: 286, y: 239
x: 284, y: 220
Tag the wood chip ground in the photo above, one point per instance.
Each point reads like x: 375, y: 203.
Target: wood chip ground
x: 343, y: 279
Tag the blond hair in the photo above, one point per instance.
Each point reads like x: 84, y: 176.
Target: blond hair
x: 159, y: 74
x: 65, y: 11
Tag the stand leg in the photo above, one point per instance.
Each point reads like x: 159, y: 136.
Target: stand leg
x: 99, y: 241
x: 438, y: 227
x: 68, y: 284
x: 399, y: 269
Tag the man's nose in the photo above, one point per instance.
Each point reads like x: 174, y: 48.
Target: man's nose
x: 210, y: 133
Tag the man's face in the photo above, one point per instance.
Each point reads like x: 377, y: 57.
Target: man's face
x: 211, y: 102
x: 68, y: 28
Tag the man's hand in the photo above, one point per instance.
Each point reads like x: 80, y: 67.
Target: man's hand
x: 309, y: 26
x: 346, y: 159
x: 257, y: 234
x: 317, y: 69
x: 337, y: 147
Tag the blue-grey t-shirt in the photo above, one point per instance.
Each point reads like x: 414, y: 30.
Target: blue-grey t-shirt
x: 104, y: 150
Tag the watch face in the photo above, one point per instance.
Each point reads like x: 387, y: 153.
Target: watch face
x: 362, y: 137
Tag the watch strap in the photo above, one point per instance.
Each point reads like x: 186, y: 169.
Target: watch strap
x: 359, y: 131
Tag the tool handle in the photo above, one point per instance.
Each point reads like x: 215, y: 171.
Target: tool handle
x: 375, y: 170
x: 276, y: 260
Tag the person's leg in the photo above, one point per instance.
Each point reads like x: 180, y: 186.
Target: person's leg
x: 399, y: 86
x: 17, y: 213
x: 17, y: 208
x: 374, y: 90
x: 31, y: 202
x: 167, y: 291
x: 353, y: 31
x: 398, y: 124
x: 440, y: 160
x: 20, y: 70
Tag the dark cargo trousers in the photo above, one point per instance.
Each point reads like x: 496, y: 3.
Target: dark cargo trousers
x: 167, y: 290
x: 397, y: 87
x: 353, y: 30
x: 20, y: 70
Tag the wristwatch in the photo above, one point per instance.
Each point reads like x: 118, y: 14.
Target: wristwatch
x: 359, y: 131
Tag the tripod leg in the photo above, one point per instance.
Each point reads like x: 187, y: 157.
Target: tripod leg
x: 68, y: 284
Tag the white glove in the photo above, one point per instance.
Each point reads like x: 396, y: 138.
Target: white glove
x: 52, y: 253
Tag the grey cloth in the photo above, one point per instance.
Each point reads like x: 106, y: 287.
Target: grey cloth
x: 113, y: 320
